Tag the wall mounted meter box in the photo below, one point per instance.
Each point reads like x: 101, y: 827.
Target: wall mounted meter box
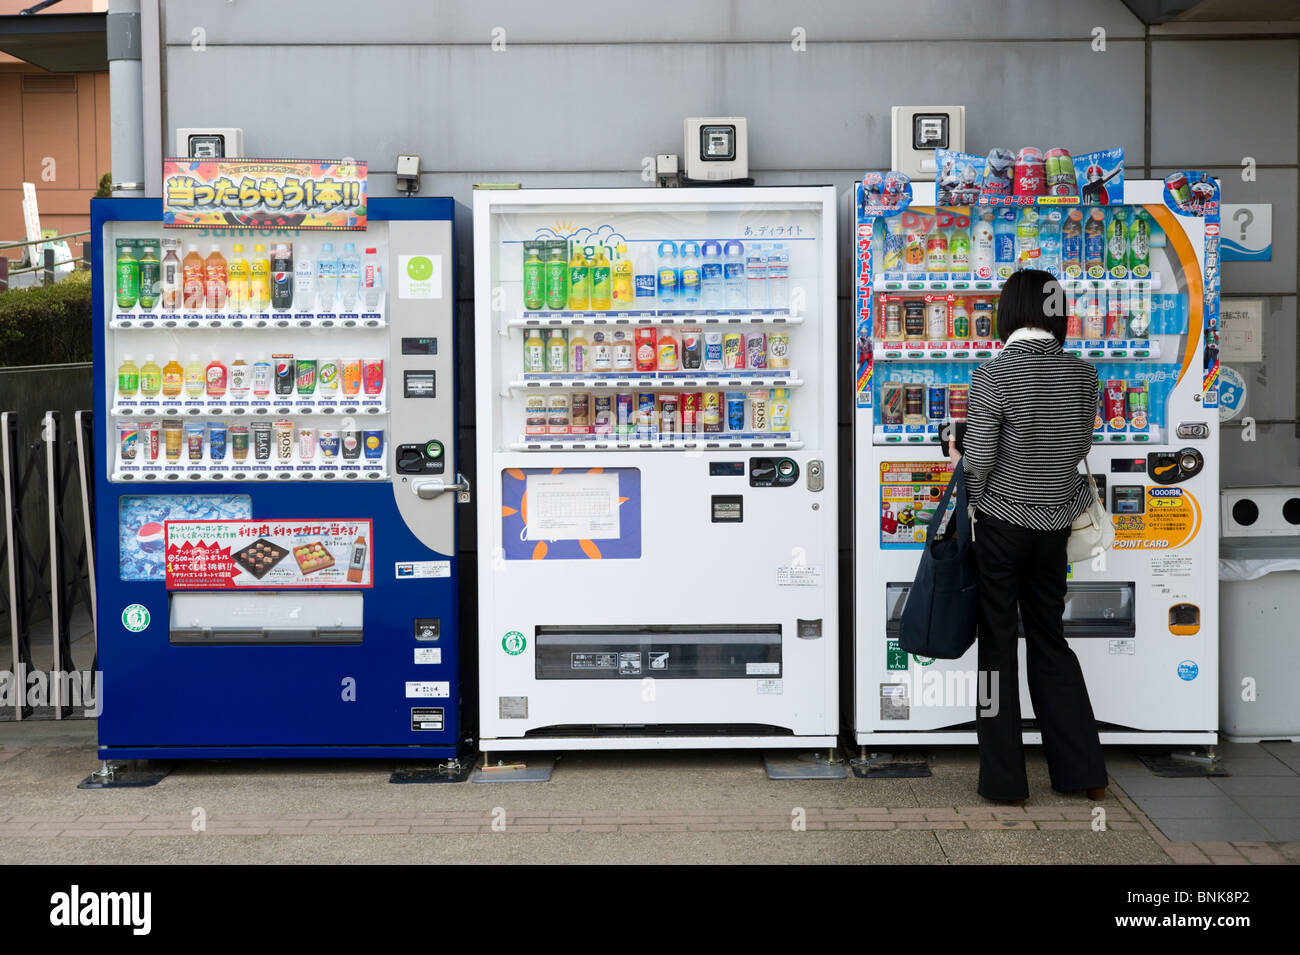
x: 717, y: 148
x: 210, y: 142
x: 919, y: 131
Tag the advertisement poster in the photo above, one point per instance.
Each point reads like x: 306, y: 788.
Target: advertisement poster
x: 216, y: 555
x: 1170, y: 519
x: 140, y: 520
x: 571, y: 513
x: 303, y: 194
x: 909, y: 493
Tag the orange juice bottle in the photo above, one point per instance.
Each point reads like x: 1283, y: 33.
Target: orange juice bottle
x: 667, y: 350
x: 352, y: 376
x: 214, y: 276
x: 194, y: 287
x: 173, y: 376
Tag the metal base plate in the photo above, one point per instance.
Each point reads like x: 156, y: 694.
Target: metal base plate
x: 447, y: 771
x: 124, y: 777
x: 891, y: 766
x: 1182, y: 765
x: 537, y: 769
x: 803, y: 766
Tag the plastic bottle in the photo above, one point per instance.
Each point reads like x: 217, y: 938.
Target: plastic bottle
x: 216, y: 378
x: 150, y: 276
x: 150, y: 378
x: 893, y: 258
x: 936, y: 249
x: 645, y: 280
x: 372, y: 279
x: 1072, y: 245
x: 240, y: 377
x: 128, y: 378
x: 624, y: 279
x: 579, y: 280
x: 557, y: 278
x: 282, y: 276
x: 195, y: 378
x: 173, y: 378
x: 192, y: 284
x: 1004, y: 241
x: 779, y: 410
x: 983, y: 253
x: 1094, y: 244
x: 1027, y: 252
x: 215, y: 275
x: 778, y: 277
x: 557, y: 352
x: 666, y: 351
x: 689, y: 274
x: 238, y: 280
x: 756, y: 276
x: 711, y: 294
x: 1049, y: 242
x: 262, y: 375
x: 1139, y: 245
x: 304, y: 279
x: 579, y: 353
x: 349, y: 277
x: 959, y: 250
x: 667, y: 277
x: 128, y: 274
x: 327, y: 278
x: 169, y: 282
x: 733, y: 274
x: 534, y: 352
x: 599, y: 277
x: 534, y: 277
x: 1117, y: 245
x: 259, y: 279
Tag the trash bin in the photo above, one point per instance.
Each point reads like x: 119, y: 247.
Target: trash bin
x: 1259, y: 638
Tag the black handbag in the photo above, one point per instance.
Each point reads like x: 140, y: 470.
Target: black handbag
x: 941, y: 612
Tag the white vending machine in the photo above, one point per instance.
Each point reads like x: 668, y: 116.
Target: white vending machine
x: 657, y: 519
x: 1143, y: 619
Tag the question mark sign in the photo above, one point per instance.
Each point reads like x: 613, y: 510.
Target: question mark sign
x: 1243, y: 214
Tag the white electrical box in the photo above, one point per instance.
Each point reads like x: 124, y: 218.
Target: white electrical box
x: 716, y: 148
x: 919, y: 131
x: 1241, y: 329
x: 225, y: 142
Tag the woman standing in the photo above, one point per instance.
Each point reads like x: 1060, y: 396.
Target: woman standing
x: 1029, y: 425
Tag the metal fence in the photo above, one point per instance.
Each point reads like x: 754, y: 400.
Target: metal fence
x: 47, y: 272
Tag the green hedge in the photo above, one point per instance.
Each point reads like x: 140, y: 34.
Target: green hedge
x: 47, y: 325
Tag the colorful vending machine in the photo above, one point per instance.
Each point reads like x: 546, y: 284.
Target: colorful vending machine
x: 276, y: 462
x: 656, y: 468
x: 1139, y: 266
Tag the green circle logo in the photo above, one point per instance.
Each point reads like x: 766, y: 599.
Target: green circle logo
x: 419, y: 268
x: 513, y: 643
x: 135, y: 617
x: 924, y: 661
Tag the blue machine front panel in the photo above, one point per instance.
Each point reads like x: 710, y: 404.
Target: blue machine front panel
x: 162, y: 700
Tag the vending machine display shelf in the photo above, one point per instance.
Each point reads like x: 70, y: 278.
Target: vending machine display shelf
x: 264, y: 472
x: 134, y: 409
x: 927, y: 283
x: 658, y: 316
x: 189, y: 320
x: 1097, y: 350
x: 735, y: 441
x: 661, y: 381
x: 914, y: 434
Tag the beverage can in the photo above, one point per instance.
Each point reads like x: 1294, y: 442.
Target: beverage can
x: 373, y: 443
x: 284, y: 440
x: 1058, y: 168
x: 913, y: 403
x: 891, y: 402
x: 306, y: 444
x: 306, y: 376
x: 194, y: 441
x: 759, y: 403
x: 580, y: 413
x: 645, y: 414
x: 284, y: 374
x: 914, y: 319
x: 602, y: 418
x: 982, y: 319
x: 711, y: 412
x: 149, y: 440
x: 936, y: 318
x: 756, y: 349
x: 535, y: 419
x: 713, y: 351
x: 557, y: 414
x: 1029, y: 178
x: 733, y: 351
x: 624, y: 413
x: 217, y: 440
x: 261, y: 435
x: 960, y: 320
x: 669, y: 407
x: 1138, y: 398
x: 690, y: 411
x: 937, y: 402
x: 351, y: 445
x: 958, y: 401
x: 735, y: 411
x: 328, y: 440
x: 239, y: 442
x: 893, y: 308
x: 1116, y: 317
x: 127, y: 438
x: 778, y: 350
x: 173, y: 430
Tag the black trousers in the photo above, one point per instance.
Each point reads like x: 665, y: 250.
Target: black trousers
x: 1026, y: 568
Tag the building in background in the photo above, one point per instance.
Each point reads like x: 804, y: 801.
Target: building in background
x: 54, y: 113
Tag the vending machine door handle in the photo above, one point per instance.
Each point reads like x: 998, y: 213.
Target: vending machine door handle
x: 429, y: 489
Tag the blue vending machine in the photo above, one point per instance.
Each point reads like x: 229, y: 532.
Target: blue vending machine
x: 276, y: 483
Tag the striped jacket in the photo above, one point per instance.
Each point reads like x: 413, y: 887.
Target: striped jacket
x: 1029, y: 425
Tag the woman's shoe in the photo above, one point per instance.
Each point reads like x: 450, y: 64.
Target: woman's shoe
x: 1006, y: 802
x: 1097, y: 793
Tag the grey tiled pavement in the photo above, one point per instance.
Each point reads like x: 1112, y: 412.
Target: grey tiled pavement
x: 1258, y: 801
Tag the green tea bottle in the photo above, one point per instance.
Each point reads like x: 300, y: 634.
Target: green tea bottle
x: 150, y: 277
x: 534, y: 278
x: 128, y: 274
x: 557, y: 275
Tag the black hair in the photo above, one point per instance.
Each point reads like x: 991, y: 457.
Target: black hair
x: 1032, y: 298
